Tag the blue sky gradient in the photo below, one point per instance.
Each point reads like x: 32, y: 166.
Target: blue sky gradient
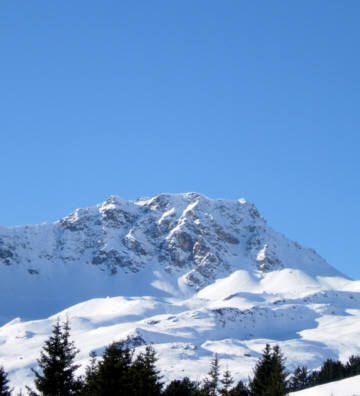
x: 254, y: 99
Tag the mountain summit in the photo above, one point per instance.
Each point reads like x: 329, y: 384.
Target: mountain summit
x: 190, y: 274
x: 173, y: 244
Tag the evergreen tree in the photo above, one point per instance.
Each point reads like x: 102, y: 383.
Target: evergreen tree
x: 145, y: 376
x: 184, y: 387
x: 262, y: 373
x: 331, y: 370
x: 240, y: 390
x: 300, y: 379
x: 313, y: 378
x: 226, y: 381
x: 116, y: 374
x: 211, y: 383
x: 91, y: 373
x: 269, y: 374
x: 4, y: 387
x: 111, y: 375
x: 56, y: 376
x: 279, y: 384
x: 352, y: 367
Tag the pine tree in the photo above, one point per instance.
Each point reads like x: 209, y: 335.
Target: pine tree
x: 184, y: 387
x: 211, y: 383
x: 4, y: 387
x: 262, y: 373
x: 331, y: 370
x: 300, y: 379
x: 91, y: 373
x: 279, y: 385
x: 145, y: 376
x: 227, y: 380
x: 352, y: 367
x: 313, y: 378
x: 116, y: 374
x: 57, y: 370
x: 240, y: 390
x: 111, y: 376
x: 269, y: 374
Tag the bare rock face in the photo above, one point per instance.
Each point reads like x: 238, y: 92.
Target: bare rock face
x: 6, y: 252
x: 188, y: 235
x: 185, y: 241
x: 224, y: 236
x: 6, y: 255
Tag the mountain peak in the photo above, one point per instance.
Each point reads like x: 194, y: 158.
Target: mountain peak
x: 188, y: 239
x: 192, y: 275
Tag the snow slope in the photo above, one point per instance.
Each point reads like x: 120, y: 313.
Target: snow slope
x: 346, y: 387
x: 191, y: 275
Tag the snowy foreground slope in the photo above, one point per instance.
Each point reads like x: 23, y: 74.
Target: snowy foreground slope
x: 346, y: 387
x: 189, y: 274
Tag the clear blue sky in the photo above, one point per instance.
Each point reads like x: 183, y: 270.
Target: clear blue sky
x: 235, y: 98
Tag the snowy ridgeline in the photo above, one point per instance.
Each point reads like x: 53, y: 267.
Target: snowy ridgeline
x: 191, y: 275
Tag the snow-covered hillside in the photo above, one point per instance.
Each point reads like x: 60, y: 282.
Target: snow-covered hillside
x: 189, y: 274
x: 346, y: 387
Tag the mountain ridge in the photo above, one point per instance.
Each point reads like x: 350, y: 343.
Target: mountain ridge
x: 187, y: 273
x: 190, y: 237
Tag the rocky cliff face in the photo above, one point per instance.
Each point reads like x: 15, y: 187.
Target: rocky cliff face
x: 187, y: 234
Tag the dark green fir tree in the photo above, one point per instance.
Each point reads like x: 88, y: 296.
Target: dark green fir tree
x: 111, y: 376
x: 145, y: 376
x: 300, y: 379
x: 91, y: 373
x: 269, y: 374
x: 4, y: 381
x: 226, y: 382
x: 240, y: 390
x: 212, y: 382
x: 352, y: 367
x: 184, y: 387
x: 331, y: 370
x: 56, y: 376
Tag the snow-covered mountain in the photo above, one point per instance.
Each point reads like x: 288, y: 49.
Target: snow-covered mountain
x: 190, y: 274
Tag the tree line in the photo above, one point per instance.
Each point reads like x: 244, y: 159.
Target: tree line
x: 119, y: 372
